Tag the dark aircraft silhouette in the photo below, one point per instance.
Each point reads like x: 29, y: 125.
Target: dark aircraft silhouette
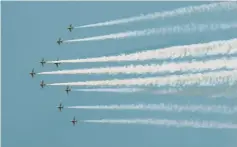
x: 74, y: 121
x: 57, y: 63
x: 70, y: 28
x: 60, y: 107
x: 42, y: 84
x: 32, y: 73
x: 68, y: 89
x: 42, y: 62
x: 59, y: 41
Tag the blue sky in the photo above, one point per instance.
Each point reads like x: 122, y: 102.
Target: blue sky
x: 29, y: 114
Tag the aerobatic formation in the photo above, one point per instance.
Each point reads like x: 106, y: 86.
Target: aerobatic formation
x: 203, y: 69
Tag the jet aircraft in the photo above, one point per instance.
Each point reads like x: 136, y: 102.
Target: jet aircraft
x: 68, y: 89
x: 57, y: 63
x: 42, y: 62
x: 59, y: 41
x: 42, y: 84
x: 32, y: 73
x: 74, y: 121
x: 60, y: 107
x: 70, y: 28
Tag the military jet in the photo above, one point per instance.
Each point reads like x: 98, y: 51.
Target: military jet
x: 59, y: 41
x: 42, y: 62
x: 70, y: 28
x: 32, y: 73
x: 57, y: 63
x: 74, y: 121
x: 42, y: 84
x: 60, y: 106
x: 68, y: 89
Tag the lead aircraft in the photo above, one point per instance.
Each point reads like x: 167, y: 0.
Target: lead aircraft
x: 32, y: 73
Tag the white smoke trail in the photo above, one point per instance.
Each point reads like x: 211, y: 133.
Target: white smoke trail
x: 168, y: 123
x: 132, y: 90
x: 165, y: 107
x: 222, y: 47
x: 217, y: 91
x: 211, y: 92
x: 165, y: 14
x: 155, y: 68
x: 206, y: 79
x: 116, y: 90
x: 161, y: 31
x: 166, y: 91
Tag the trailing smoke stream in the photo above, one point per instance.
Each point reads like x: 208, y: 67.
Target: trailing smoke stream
x: 206, y: 79
x: 222, y: 109
x: 117, y: 90
x: 132, y: 90
x: 165, y: 14
x: 168, y: 123
x: 222, y: 47
x: 189, y: 28
x: 210, y: 92
x: 155, y: 68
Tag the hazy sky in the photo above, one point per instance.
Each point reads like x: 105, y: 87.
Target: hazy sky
x: 29, y: 113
